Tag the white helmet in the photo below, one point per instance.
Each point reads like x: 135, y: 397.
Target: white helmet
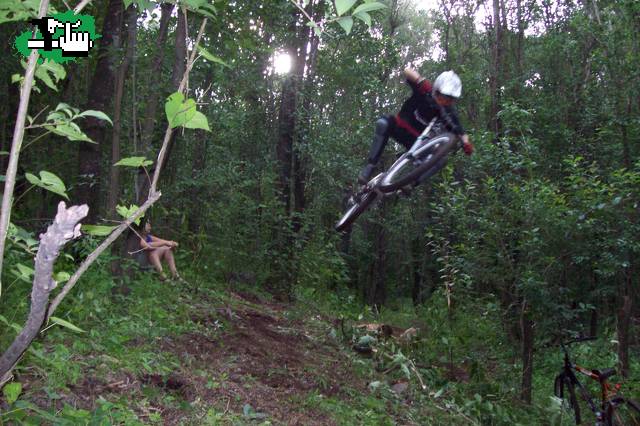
x: 448, y: 83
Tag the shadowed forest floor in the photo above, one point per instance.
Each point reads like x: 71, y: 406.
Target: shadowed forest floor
x: 175, y: 354
x: 212, y: 358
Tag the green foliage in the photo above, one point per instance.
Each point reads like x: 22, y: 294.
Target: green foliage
x: 61, y: 122
x: 181, y: 112
x: 18, y: 11
x: 48, y: 181
x: 343, y: 5
x: 43, y: 70
x: 542, y: 216
x: 210, y: 57
x: 202, y: 7
x: 61, y: 276
x: 66, y: 324
x: 12, y: 391
x: 127, y: 212
x: 98, y: 230
x: 134, y: 162
x: 346, y: 23
x: 23, y: 272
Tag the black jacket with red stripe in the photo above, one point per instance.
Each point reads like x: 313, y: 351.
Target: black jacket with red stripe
x: 419, y: 110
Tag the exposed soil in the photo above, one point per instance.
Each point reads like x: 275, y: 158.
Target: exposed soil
x: 265, y: 361
x: 259, y: 358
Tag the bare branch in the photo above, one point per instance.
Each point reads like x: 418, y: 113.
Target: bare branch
x: 65, y: 227
x: 169, y: 132
x: 98, y: 251
x: 18, y: 135
x: 16, y: 143
x: 81, y: 6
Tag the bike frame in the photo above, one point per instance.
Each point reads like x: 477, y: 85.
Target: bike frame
x: 606, y: 389
x: 372, y: 185
x: 373, y: 189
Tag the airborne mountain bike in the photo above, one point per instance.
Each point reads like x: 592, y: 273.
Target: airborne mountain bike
x: 611, y: 410
x: 426, y: 157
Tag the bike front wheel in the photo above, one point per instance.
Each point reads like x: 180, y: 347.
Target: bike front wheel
x: 413, y: 164
x: 622, y: 412
x: 565, y: 390
x: 356, y: 209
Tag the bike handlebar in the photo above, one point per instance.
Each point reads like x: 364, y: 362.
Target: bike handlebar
x: 564, y: 345
x: 580, y: 339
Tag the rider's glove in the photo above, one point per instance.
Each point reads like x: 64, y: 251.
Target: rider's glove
x: 468, y: 148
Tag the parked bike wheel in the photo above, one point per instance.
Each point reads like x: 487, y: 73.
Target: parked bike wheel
x: 565, y: 390
x: 408, y: 168
x: 622, y: 412
x: 356, y: 209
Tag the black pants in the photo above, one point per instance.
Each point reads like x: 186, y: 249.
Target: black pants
x: 385, y: 128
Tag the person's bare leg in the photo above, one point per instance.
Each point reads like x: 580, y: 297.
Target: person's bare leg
x: 154, y: 259
x: 168, y: 255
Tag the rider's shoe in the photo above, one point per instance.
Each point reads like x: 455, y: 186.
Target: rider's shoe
x: 366, y: 173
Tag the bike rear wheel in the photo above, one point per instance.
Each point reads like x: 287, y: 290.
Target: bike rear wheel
x: 405, y: 170
x: 565, y: 390
x: 355, y: 210
x: 622, y: 412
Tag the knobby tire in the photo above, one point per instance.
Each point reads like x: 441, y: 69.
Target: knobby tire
x: 391, y: 182
x: 356, y: 210
x: 563, y: 388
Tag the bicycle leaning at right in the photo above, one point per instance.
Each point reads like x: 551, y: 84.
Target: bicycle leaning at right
x: 611, y: 410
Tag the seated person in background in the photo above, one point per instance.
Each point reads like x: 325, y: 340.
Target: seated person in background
x: 158, y: 249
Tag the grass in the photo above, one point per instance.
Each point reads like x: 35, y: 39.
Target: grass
x: 207, y: 354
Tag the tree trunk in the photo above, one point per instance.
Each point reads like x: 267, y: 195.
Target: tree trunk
x: 417, y: 256
x: 626, y: 152
x: 100, y: 94
x: 307, y: 72
x: 593, y: 321
x: 114, y: 187
x: 526, y: 326
x: 447, y: 16
x: 495, y: 75
x: 286, y: 129
x: 519, y: 49
x: 199, y: 162
x: 131, y: 17
x: 153, y: 98
x: 623, y: 325
x: 179, y: 65
x: 377, y: 292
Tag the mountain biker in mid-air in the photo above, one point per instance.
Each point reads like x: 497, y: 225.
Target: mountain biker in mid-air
x: 426, y: 102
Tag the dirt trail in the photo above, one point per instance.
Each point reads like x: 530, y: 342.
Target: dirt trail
x: 245, y: 361
x: 264, y: 360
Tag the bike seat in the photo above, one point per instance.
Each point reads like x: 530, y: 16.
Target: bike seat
x: 605, y: 374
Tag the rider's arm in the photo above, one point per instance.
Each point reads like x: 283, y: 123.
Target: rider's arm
x: 418, y: 83
x: 451, y: 120
x: 450, y: 117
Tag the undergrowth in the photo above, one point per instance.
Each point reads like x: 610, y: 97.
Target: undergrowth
x: 460, y: 368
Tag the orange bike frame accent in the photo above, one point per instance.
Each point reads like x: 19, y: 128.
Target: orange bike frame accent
x: 608, y: 390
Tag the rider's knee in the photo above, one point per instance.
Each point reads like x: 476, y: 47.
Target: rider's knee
x: 383, y: 124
